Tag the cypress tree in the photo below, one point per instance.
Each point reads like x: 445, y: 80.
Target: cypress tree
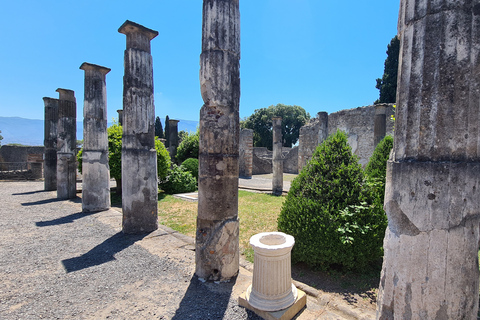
x: 388, y: 84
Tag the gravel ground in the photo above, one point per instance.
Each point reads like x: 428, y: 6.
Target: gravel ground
x: 58, y: 263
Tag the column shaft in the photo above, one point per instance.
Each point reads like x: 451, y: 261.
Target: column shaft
x: 277, y: 160
x: 50, y: 163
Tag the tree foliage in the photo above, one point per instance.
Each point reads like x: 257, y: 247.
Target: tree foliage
x: 388, y: 83
x: 178, y: 180
x: 188, y: 148
x: 163, y: 159
x: 293, y: 118
x: 159, y: 128
x: 330, y: 213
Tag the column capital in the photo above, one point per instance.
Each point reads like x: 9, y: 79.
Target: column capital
x: 129, y: 27
x: 90, y: 66
x: 48, y: 99
x: 66, y: 94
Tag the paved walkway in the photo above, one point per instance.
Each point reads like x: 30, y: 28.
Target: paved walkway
x: 59, y: 263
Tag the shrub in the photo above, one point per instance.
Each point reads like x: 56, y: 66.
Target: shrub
x: 178, y: 181
x: 163, y: 159
x: 188, y: 148
x: 376, y: 169
x: 326, y: 212
x: 191, y: 165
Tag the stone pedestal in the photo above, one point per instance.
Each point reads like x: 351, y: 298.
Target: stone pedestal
x: 216, y: 254
x: 66, y: 144
x: 277, y: 159
x: 430, y: 268
x: 139, y: 158
x: 50, y: 142
x: 379, y: 123
x: 95, y: 168
x: 272, y: 288
x: 246, y: 153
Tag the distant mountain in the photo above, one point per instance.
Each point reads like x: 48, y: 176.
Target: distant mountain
x: 30, y: 132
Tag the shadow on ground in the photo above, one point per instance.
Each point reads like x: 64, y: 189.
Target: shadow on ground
x: 28, y: 193
x: 63, y: 220
x: 102, y: 253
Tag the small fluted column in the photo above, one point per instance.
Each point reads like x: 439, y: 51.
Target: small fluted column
x: 95, y: 168
x: 139, y: 158
x: 272, y: 288
x: 277, y: 160
x: 50, y: 142
x: 66, y: 144
x: 246, y: 153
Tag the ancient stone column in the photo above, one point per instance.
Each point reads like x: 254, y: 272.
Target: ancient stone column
x: 95, y: 168
x: 311, y: 135
x: 246, y: 153
x: 430, y: 268
x: 217, y: 256
x: 277, y: 159
x: 50, y: 142
x: 139, y: 158
x: 66, y: 144
x: 173, y: 138
x: 120, y: 116
x: 379, y: 123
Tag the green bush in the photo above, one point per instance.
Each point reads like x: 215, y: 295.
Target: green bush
x: 178, y: 181
x: 330, y: 213
x: 376, y: 169
x: 191, y: 165
x: 188, y: 148
x: 163, y: 159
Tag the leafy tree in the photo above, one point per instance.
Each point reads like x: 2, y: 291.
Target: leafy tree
x: 188, y: 148
x: 182, y: 134
x: 293, y: 118
x: 191, y: 165
x: 163, y: 160
x: 158, y: 128
x: 388, y: 83
x: 329, y: 212
x: 167, y: 132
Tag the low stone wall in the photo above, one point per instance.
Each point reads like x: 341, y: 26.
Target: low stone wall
x: 262, y: 160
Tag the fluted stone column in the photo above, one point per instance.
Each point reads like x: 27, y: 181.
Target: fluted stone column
x: 246, y: 153
x: 430, y: 268
x: 95, y: 168
x: 277, y: 159
x: 139, y: 158
x: 173, y: 138
x: 50, y: 142
x: 66, y: 144
x: 379, y: 123
x: 311, y: 135
x: 217, y: 256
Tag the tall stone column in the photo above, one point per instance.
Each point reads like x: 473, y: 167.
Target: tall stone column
x: 217, y: 256
x: 379, y: 123
x: 277, y: 159
x: 139, y: 158
x: 246, y: 153
x: 430, y: 268
x: 95, y: 169
x: 66, y: 144
x: 50, y: 142
x: 173, y: 138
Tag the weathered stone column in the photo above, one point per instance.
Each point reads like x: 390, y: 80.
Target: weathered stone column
x: 379, y: 123
x: 66, y: 144
x: 139, y: 158
x: 277, y: 159
x: 50, y: 142
x: 173, y: 138
x: 430, y: 268
x: 120, y: 116
x: 95, y: 168
x: 246, y: 153
x: 311, y: 135
x: 217, y: 256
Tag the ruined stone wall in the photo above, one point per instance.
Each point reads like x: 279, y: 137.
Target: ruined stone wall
x: 290, y: 160
x: 19, y: 153
x: 262, y: 160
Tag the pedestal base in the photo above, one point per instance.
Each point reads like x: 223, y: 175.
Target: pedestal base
x: 285, y: 314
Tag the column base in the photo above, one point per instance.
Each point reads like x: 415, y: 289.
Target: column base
x: 284, y: 314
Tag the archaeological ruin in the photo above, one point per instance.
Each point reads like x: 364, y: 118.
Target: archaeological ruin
x: 139, y: 158
x: 216, y: 245
x: 277, y: 159
x: 50, y: 141
x: 95, y: 168
x: 430, y: 268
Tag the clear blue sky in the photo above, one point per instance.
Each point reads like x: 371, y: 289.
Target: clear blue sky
x: 321, y: 55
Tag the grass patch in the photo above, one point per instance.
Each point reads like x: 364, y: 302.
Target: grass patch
x: 257, y: 212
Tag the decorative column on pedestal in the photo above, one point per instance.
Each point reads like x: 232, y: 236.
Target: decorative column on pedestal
x: 379, y: 123
x: 50, y: 163
x: 277, y: 160
x: 139, y: 158
x: 66, y: 144
x: 430, y: 268
x: 216, y: 254
x: 95, y: 168
x: 246, y: 153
